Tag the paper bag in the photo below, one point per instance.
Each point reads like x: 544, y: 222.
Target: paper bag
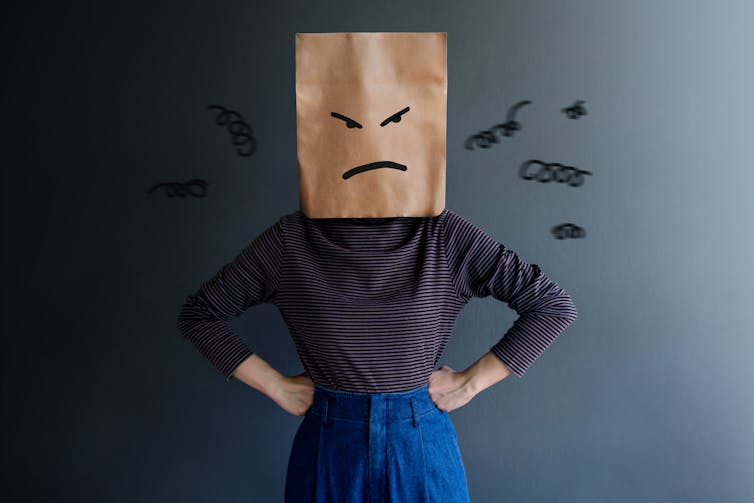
x: 371, y: 124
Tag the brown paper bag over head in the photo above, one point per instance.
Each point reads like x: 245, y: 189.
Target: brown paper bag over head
x: 371, y: 124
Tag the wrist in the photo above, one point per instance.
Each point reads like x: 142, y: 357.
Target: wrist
x: 275, y: 384
x: 470, y: 386
x: 260, y: 375
x: 488, y: 370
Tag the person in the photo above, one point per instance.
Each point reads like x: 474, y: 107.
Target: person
x: 370, y: 304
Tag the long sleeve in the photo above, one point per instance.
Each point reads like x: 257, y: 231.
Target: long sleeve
x: 251, y: 278
x: 481, y: 266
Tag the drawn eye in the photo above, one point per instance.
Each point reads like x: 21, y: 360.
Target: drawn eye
x: 396, y: 117
x: 349, y: 122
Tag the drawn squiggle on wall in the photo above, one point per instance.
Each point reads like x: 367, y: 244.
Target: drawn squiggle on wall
x: 576, y: 110
x: 568, y: 230
x: 552, y: 171
x: 173, y: 189
x: 535, y: 169
x: 485, y: 139
x: 237, y: 126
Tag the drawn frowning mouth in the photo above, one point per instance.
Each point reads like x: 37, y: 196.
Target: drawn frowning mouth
x: 373, y: 165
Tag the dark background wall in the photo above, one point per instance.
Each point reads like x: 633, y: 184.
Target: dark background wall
x: 647, y: 397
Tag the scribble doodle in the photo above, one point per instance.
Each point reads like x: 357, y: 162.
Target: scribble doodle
x: 173, y: 189
x: 237, y: 126
x: 568, y: 230
x: 576, y: 110
x: 485, y: 139
x: 549, y: 171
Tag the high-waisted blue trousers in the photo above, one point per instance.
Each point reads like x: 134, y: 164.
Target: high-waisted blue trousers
x: 375, y: 448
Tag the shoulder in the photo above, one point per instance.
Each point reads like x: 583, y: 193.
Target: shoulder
x: 287, y: 220
x: 451, y: 220
x: 459, y: 229
x: 273, y: 235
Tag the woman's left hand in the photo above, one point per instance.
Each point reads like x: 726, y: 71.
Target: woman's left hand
x: 448, y: 388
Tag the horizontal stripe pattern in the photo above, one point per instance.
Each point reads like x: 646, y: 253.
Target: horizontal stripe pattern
x: 483, y: 267
x: 370, y: 303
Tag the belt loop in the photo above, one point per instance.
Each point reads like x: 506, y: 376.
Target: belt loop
x: 413, y: 412
x: 324, y: 411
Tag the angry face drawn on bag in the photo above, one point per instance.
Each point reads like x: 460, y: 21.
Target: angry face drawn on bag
x: 350, y: 123
x: 365, y: 101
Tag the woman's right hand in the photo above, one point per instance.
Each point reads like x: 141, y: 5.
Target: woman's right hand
x: 294, y: 394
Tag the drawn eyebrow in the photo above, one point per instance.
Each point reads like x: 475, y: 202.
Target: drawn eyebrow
x: 349, y: 122
x: 396, y: 117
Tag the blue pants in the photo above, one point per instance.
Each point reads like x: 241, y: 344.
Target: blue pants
x: 375, y: 448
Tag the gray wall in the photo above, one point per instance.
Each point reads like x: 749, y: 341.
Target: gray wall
x: 646, y: 397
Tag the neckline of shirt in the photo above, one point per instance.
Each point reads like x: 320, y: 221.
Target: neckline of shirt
x: 368, y: 222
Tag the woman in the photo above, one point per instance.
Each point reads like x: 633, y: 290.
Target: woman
x: 370, y: 304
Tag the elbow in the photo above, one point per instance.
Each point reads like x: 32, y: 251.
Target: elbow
x: 194, y: 316
x: 559, y: 304
x: 570, y: 313
x: 186, y: 318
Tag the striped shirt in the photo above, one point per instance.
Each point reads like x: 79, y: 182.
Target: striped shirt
x: 371, y: 302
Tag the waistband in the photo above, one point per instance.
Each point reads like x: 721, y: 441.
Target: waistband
x: 356, y: 406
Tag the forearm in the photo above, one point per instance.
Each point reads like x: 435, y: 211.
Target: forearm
x: 258, y: 374
x: 485, y: 372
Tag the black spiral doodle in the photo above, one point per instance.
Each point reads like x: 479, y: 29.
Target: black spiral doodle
x: 485, y: 139
x: 549, y: 171
x: 568, y: 230
x: 173, y: 189
x: 576, y: 110
x: 237, y: 126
